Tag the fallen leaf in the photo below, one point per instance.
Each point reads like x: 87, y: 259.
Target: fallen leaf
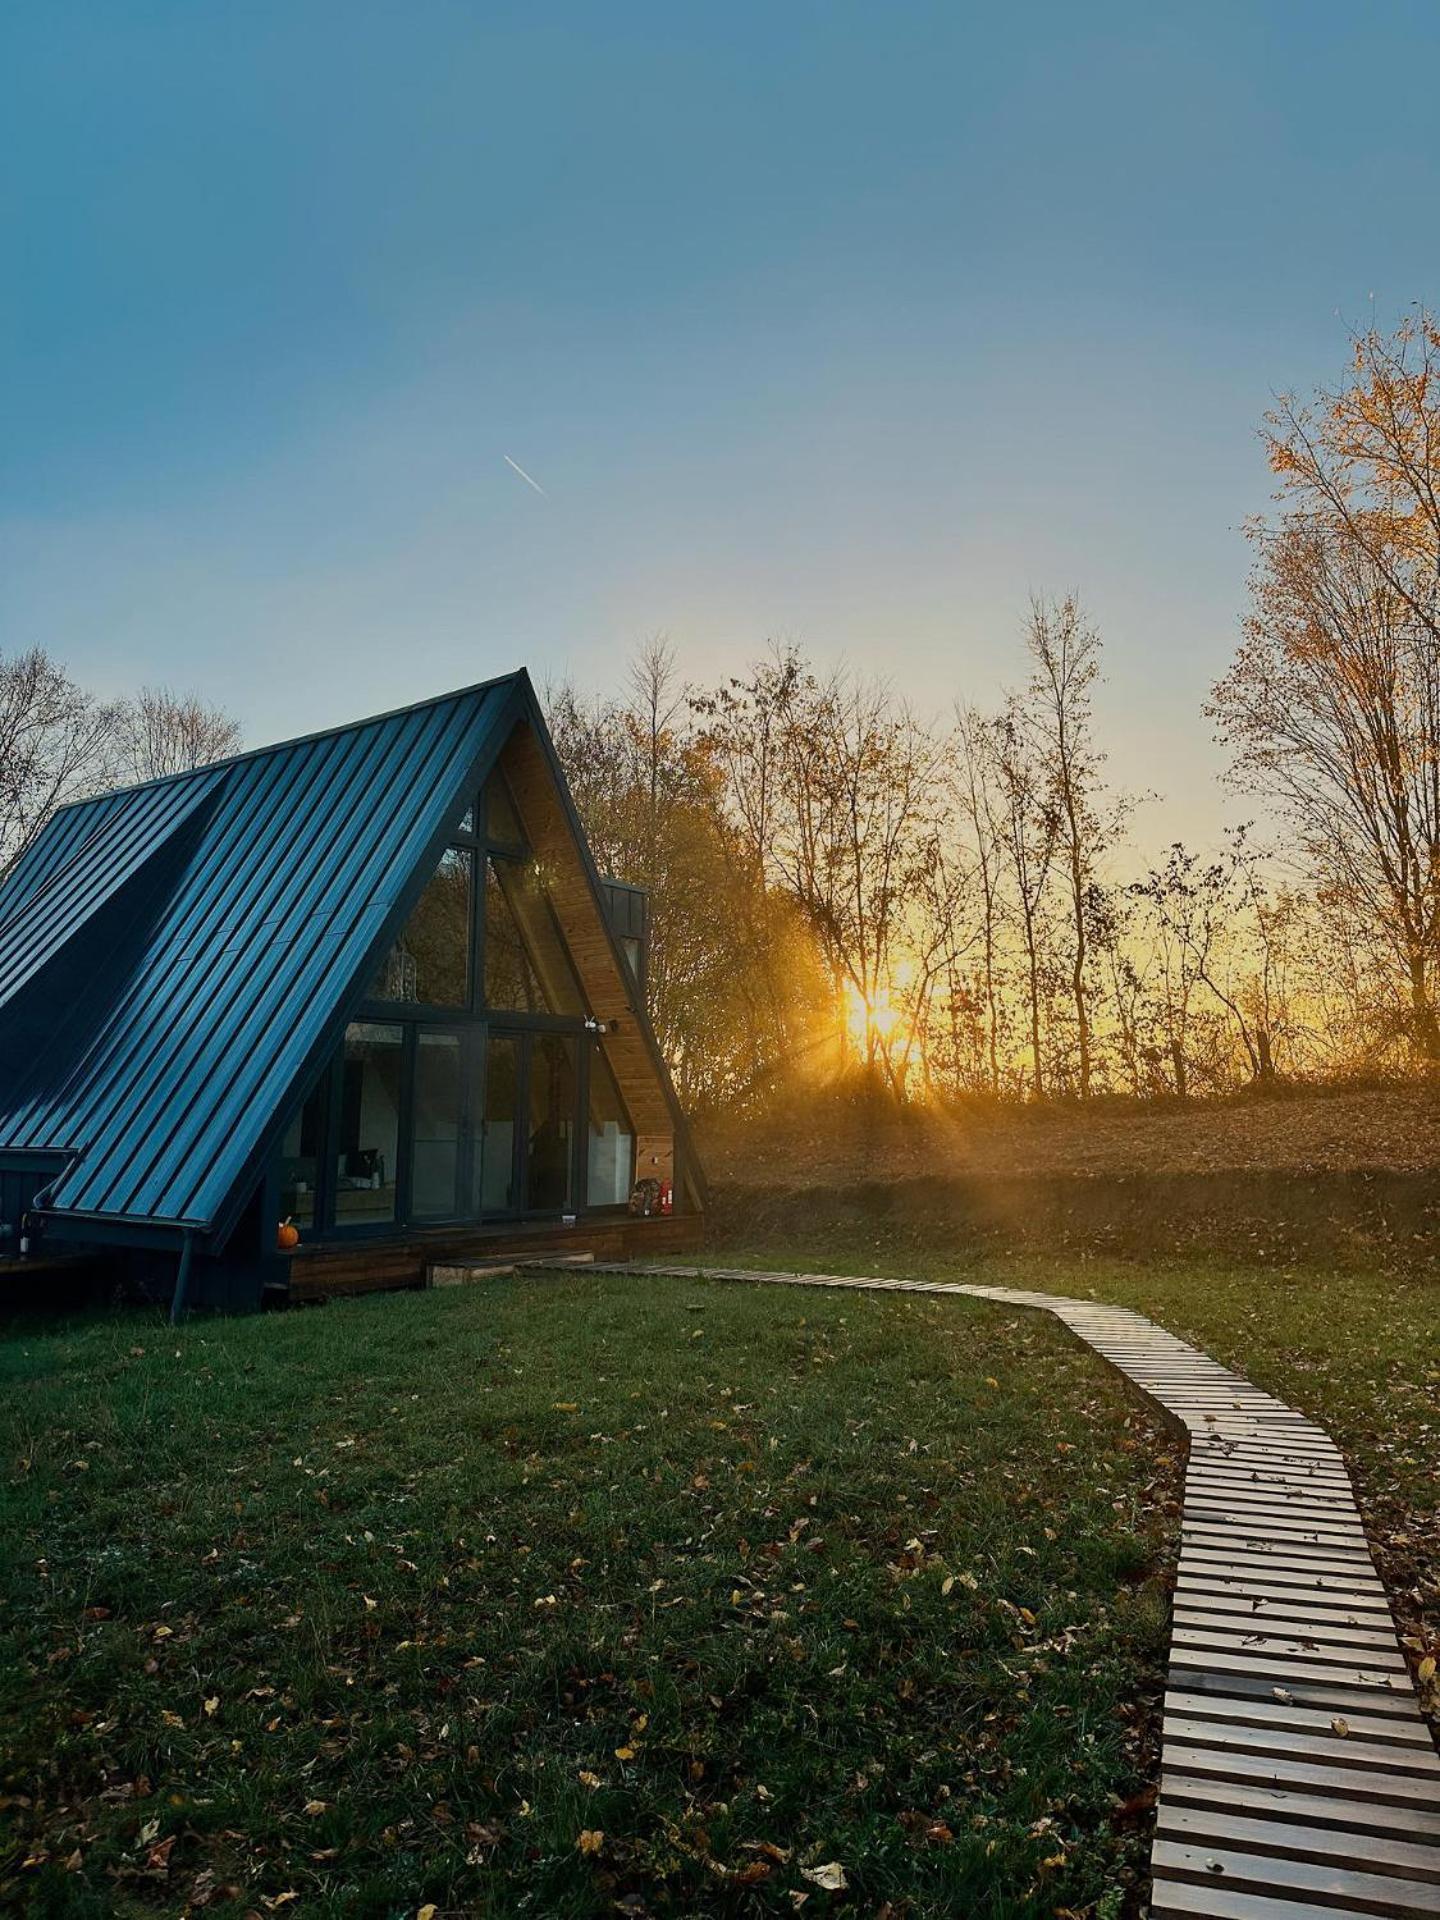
x: 831, y: 1876
x: 591, y: 1840
x: 158, y: 1858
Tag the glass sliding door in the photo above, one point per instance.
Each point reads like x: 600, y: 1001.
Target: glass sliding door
x: 300, y: 1159
x: 497, y: 1148
x: 610, y: 1139
x: 366, y: 1155
x: 438, y: 1122
x: 550, y: 1130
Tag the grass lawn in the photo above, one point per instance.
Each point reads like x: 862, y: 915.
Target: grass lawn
x: 579, y: 1595
x: 1355, y: 1350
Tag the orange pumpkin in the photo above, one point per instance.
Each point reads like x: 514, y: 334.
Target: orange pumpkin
x: 287, y: 1235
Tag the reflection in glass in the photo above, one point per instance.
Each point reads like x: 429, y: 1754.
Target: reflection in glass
x: 371, y: 1067
x: 611, y: 1143
x: 497, y: 1134
x: 527, y: 969
x: 551, y: 1138
x: 430, y: 962
x: 502, y: 823
x: 300, y: 1162
x: 435, y: 1125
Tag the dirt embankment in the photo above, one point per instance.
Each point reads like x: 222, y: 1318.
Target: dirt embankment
x: 1347, y: 1175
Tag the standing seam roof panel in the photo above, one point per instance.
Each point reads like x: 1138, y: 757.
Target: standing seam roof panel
x: 204, y: 968
x: 40, y: 924
x: 104, y: 1073
x: 340, y: 931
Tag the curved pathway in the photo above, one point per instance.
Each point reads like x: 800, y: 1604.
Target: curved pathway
x: 1298, y: 1779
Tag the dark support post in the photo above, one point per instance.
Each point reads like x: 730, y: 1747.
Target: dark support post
x: 182, y: 1281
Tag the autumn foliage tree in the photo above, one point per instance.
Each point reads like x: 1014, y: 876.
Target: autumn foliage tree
x: 1332, y: 706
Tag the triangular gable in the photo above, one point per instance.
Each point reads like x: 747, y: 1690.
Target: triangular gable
x: 303, y: 871
x: 536, y: 782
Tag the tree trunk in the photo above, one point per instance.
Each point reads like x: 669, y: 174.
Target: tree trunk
x: 1039, y: 1073
x: 1425, y: 1028
x: 1182, y: 1078
x: 1077, y: 972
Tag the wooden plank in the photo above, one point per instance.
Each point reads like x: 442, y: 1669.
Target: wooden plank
x: 1234, y: 1637
x: 1344, y: 1584
x: 1267, y: 1712
x: 1301, y: 1806
x: 1278, y: 1770
x: 1238, y: 1681
x: 1283, y: 1670
x: 1329, y: 1633
x: 1314, y: 1748
x: 1324, y: 1882
x: 1183, y: 1900
x: 1296, y: 1553
x: 1232, y: 1596
x: 1412, y: 1859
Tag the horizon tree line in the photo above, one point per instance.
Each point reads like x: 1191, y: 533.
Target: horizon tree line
x: 842, y: 887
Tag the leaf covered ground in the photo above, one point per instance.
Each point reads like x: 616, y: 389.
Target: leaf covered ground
x: 576, y: 1596
x: 1354, y: 1349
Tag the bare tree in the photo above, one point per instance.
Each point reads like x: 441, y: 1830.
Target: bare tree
x: 1065, y: 650
x: 1218, y: 919
x: 972, y: 784
x: 1030, y: 832
x: 56, y: 743
x: 160, y: 732
x: 1332, y: 707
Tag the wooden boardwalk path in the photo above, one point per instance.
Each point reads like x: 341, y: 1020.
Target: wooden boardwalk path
x: 1299, y: 1780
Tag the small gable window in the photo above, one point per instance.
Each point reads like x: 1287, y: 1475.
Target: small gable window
x: 502, y: 823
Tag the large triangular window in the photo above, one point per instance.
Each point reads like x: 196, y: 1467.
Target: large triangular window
x: 527, y: 969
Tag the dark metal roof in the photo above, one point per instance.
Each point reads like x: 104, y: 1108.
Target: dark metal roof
x: 303, y: 856
x: 93, y: 850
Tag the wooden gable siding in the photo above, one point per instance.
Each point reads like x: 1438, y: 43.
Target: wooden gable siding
x: 607, y: 984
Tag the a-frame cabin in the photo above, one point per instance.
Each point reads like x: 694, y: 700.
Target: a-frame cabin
x: 366, y: 985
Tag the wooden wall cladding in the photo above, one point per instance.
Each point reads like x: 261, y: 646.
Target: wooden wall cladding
x: 607, y: 986
x: 329, y: 1271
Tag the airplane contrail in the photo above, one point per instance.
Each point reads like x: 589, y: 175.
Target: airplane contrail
x: 525, y: 476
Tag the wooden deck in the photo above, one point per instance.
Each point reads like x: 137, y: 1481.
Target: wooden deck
x: 332, y: 1269
x: 1299, y: 1780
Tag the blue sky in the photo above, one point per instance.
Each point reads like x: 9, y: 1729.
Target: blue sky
x: 852, y: 324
